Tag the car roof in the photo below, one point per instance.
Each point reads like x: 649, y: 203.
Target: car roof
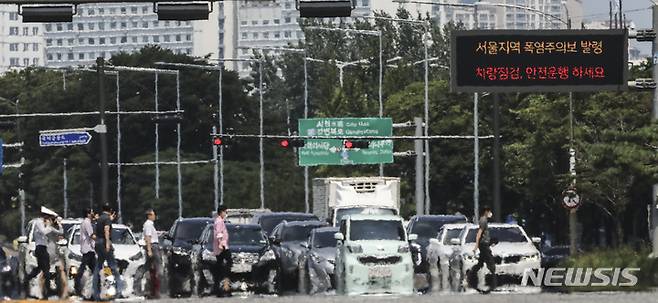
x: 457, y: 225
x: 374, y: 217
x: 304, y: 223
x: 282, y: 214
x: 497, y: 225
x: 246, y: 226
x: 196, y: 219
x: 325, y: 229
x: 436, y: 217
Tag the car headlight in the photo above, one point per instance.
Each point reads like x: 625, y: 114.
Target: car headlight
x: 404, y: 248
x: 268, y: 256
x: 207, y: 255
x: 532, y: 257
x: 75, y: 257
x: 137, y: 256
x: 355, y: 248
x: 180, y: 251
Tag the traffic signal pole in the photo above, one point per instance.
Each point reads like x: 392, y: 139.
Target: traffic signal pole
x: 100, y: 62
x: 654, y: 119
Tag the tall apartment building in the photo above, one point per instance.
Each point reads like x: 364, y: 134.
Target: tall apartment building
x: 21, y: 44
x: 254, y: 24
x: 107, y: 29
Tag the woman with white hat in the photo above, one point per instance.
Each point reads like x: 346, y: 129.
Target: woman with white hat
x: 43, y: 229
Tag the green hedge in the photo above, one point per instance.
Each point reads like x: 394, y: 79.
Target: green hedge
x: 624, y: 257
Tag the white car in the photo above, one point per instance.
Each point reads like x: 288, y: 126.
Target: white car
x: 27, y: 260
x: 514, y: 253
x: 129, y: 256
x: 373, y: 256
x: 440, y: 251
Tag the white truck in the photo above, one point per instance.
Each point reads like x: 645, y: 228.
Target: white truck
x: 334, y: 198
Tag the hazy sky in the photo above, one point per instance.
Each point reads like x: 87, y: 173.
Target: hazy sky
x: 599, y: 10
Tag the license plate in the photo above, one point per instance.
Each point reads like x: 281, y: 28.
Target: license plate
x: 380, y: 272
x: 241, y: 268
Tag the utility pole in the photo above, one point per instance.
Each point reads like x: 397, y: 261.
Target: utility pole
x: 654, y: 119
x: 65, y: 189
x: 496, y: 160
x: 100, y: 69
x: 418, y: 148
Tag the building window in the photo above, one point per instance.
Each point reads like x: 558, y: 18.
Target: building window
x: 243, y: 22
x: 35, y: 31
x: 26, y: 61
x: 91, y: 26
x: 13, y: 61
x: 59, y: 57
x: 156, y: 39
x: 91, y: 41
x: 124, y: 25
x: 101, y: 40
x: 101, y: 25
x: 133, y: 10
x: 365, y: 2
x: 113, y: 25
x: 112, y: 12
x: 26, y: 47
x: 134, y: 39
x: 69, y: 27
x: 50, y: 57
x: 70, y: 56
x: 145, y: 10
x: 266, y: 22
x: 113, y: 40
x: 124, y: 39
x: 35, y: 61
x: 145, y: 39
x: 277, y: 35
x: 244, y: 36
x: 167, y: 23
x: 59, y: 27
x: 13, y: 31
x: 255, y: 35
x: 266, y: 35
x: 288, y: 6
x: 178, y: 38
x: 277, y: 21
x: 70, y: 41
x: 81, y: 41
x: 59, y: 42
x: 166, y: 38
x: 91, y: 12
x: 145, y: 24
x: 13, y: 16
x: 254, y: 22
x: 156, y: 23
x: 81, y: 26
x: 35, y: 47
x: 288, y: 19
x: 13, y: 47
x: 101, y: 11
x: 49, y: 27
x: 81, y: 56
x: 287, y: 34
x: 135, y: 24
x: 188, y: 37
x: 123, y: 10
x: 92, y: 55
x: 49, y: 42
x: 26, y: 31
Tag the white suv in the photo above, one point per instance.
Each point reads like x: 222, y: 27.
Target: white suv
x: 514, y: 253
x: 373, y: 256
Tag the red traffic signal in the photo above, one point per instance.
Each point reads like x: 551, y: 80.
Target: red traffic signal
x: 286, y: 143
x: 220, y: 141
x: 349, y: 144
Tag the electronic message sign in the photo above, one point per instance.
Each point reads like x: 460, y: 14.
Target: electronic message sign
x: 539, y: 60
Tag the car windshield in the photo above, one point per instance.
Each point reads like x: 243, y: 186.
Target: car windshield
x: 120, y: 236
x: 499, y: 234
x: 340, y: 213
x: 189, y: 230
x: 376, y: 230
x: 245, y: 236
x: 324, y: 239
x: 429, y: 227
x: 451, y: 234
x: 270, y: 222
x: 296, y: 233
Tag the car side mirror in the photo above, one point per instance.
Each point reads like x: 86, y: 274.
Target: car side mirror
x: 434, y: 241
x: 455, y: 241
x: 413, y: 237
x: 22, y: 239
x: 535, y: 240
x: 339, y: 236
x: 304, y: 245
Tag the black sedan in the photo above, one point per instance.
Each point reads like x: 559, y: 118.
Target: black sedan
x: 8, y: 276
x: 320, y: 260
x: 287, y: 239
x: 177, y: 246
x: 268, y: 221
x: 253, y: 262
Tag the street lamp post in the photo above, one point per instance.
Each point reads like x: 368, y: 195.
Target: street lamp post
x: 381, y: 63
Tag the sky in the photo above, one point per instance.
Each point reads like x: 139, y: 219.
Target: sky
x: 599, y: 10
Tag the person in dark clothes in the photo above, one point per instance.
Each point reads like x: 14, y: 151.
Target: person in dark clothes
x: 105, y: 251
x: 153, y: 254
x: 483, y: 243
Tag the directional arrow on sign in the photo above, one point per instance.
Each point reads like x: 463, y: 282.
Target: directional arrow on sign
x: 64, y: 138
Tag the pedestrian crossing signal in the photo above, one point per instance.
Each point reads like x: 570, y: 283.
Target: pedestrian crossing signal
x: 349, y: 144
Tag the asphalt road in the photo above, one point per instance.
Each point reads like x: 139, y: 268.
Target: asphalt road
x: 608, y: 297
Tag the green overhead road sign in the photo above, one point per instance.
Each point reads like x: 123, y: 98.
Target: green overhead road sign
x: 333, y: 152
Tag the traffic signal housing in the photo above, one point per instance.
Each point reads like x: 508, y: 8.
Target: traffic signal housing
x: 351, y: 144
x: 325, y: 8
x: 287, y: 143
x: 220, y: 141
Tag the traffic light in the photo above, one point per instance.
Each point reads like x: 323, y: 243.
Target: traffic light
x: 325, y: 8
x: 220, y: 141
x: 286, y: 143
x: 351, y: 144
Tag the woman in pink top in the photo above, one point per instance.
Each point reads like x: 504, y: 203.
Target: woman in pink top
x: 222, y: 253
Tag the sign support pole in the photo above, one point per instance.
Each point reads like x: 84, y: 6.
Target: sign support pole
x: 654, y: 118
x: 100, y: 62
x: 418, y: 147
x: 496, y: 158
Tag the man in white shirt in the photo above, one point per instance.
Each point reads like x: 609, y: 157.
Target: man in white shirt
x: 43, y: 228
x: 86, y: 248
x: 153, y: 255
